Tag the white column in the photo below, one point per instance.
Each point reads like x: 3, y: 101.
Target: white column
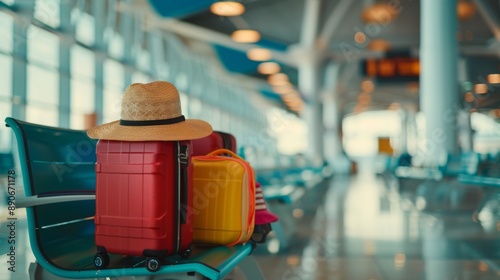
x: 331, y: 113
x: 438, y: 79
x: 65, y: 67
x: 98, y: 12
x: 308, y: 79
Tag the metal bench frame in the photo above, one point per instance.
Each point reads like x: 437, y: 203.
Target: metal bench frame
x: 212, y: 263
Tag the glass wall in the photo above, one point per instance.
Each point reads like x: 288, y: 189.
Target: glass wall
x: 67, y: 63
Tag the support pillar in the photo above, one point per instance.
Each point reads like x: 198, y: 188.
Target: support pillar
x: 309, y: 64
x: 65, y: 67
x: 98, y: 8
x: 438, y: 79
x: 465, y: 137
x: 313, y: 113
x: 331, y: 113
x: 19, y: 64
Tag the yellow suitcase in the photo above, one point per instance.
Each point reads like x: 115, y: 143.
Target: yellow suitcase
x: 224, y: 199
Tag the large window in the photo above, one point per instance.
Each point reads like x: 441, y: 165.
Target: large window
x: 139, y: 77
x: 47, y: 11
x: 6, y: 29
x: 116, y: 45
x: 82, y: 101
x: 8, y: 2
x: 61, y: 90
x: 82, y: 63
x: 5, y: 77
x: 361, y: 131
x: 82, y: 85
x: 42, y: 77
x: 184, y: 104
x: 43, y: 96
x: 113, y: 90
x: 5, y: 98
x: 84, y: 26
x: 43, y: 47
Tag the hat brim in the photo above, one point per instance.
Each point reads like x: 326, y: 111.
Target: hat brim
x: 186, y: 130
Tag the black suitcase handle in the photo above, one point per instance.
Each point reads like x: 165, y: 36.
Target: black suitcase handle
x: 184, y: 162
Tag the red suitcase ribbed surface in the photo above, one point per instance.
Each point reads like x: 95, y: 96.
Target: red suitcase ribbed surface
x: 214, y: 141
x: 137, y: 198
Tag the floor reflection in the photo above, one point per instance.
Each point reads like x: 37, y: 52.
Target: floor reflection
x: 371, y: 227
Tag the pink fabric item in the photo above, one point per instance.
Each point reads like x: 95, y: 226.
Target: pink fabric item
x: 262, y: 214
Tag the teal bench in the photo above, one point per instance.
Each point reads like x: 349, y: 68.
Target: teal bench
x: 490, y: 185
x: 477, y: 180
x: 57, y: 167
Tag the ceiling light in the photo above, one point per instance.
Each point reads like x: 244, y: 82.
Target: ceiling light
x: 294, y: 103
x: 259, y: 54
x: 290, y: 97
x: 285, y: 89
x: 268, y: 68
x: 495, y: 113
x: 364, y: 98
x: 379, y: 45
x: 394, y: 106
x: 278, y: 79
x: 367, y: 86
x: 245, y: 36
x: 360, y: 37
x: 494, y: 78
x: 381, y: 13
x: 469, y: 96
x: 227, y: 9
x: 297, y: 107
x: 481, y: 88
x: 465, y: 10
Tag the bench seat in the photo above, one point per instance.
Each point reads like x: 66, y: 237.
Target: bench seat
x: 57, y: 163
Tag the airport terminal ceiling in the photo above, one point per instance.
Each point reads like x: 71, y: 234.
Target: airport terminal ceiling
x: 353, y: 33
x: 349, y: 33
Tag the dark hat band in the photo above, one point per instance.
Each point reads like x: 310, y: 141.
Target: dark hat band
x: 179, y: 119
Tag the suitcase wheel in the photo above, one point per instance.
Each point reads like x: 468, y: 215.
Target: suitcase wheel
x: 185, y: 254
x: 101, y: 260
x: 153, y: 264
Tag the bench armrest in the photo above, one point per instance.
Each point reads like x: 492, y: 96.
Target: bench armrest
x: 54, y: 197
x: 479, y: 180
x: 418, y: 173
x: 287, y: 194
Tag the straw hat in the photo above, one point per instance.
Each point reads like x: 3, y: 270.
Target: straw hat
x: 151, y: 112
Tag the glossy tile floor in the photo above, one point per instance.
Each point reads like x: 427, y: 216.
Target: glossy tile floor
x: 372, y: 227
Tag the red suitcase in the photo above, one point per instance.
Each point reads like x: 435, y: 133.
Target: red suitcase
x: 143, y: 193
x: 214, y: 141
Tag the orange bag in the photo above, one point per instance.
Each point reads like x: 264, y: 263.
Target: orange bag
x: 224, y: 199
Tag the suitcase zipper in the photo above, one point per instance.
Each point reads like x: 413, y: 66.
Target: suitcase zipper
x: 178, y: 198
x: 184, y: 162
